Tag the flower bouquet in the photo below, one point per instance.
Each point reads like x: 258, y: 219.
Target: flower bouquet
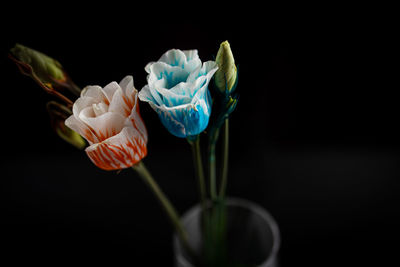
x: 194, y: 100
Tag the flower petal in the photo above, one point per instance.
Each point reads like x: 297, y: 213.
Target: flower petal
x: 81, y: 104
x: 184, y: 120
x: 145, y: 94
x: 100, y: 108
x: 171, y: 118
x: 196, y: 118
x: 120, y: 104
x: 148, y: 66
x: 193, y: 60
x: 208, y: 69
x: 137, y: 120
x: 104, y: 126
x: 191, y: 54
x: 120, y: 151
x: 95, y: 92
x: 189, y: 89
x: 172, y: 74
x: 81, y: 129
x: 174, y: 57
x: 109, y: 91
x: 171, y: 99
x: 127, y: 85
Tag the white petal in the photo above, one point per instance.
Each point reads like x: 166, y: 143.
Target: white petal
x: 136, y: 120
x: 94, y: 92
x: 156, y: 95
x: 145, y: 94
x: 123, y: 104
x: 172, y: 74
x: 191, y: 88
x: 162, y: 83
x: 105, y: 125
x: 174, y: 57
x: 118, y: 105
x: 147, y: 68
x: 84, y: 90
x: 110, y: 89
x: 82, y: 103
x: 174, y: 109
x: 127, y: 85
x: 201, y: 95
x: 208, y: 69
x: 81, y: 129
x: 192, y: 65
x: 191, y: 54
x: 175, y: 96
x: 193, y: 60
x: 87, y: 112
x: 99, y: 109
x: 211, y: 67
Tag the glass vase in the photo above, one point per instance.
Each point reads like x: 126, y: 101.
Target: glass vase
x: 252, y: 236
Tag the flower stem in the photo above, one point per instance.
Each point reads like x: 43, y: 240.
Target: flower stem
x: 51, y: 91
x: 212, y: 164
x: 225, y: 159
x: 199, y: 172
x: 141, y: 169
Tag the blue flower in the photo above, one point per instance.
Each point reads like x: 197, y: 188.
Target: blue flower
x: 177, y: 89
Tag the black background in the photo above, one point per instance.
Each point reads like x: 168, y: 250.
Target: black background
x: 314, y: 139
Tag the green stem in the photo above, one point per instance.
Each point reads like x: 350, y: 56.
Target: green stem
x: 212, y: 164
x: 225, y: 159
x: 141, y: 169
x: 199, y: 172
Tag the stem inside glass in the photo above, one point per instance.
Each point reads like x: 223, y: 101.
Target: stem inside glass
x: 252, y: 236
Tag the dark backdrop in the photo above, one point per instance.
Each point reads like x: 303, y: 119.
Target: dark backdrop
x: 314, y: 138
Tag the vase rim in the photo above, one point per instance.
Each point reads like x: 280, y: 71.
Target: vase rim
x: 244, y: 203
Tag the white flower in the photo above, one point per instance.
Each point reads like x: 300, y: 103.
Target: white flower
x: 109, y: 120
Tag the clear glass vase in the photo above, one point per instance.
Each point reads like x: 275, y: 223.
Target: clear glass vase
x: 252, y: 235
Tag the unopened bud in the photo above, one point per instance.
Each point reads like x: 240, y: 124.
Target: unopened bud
x: 225, y: 77
x: 44, y: 67
x: 45, y: 71
x: 58, y: 113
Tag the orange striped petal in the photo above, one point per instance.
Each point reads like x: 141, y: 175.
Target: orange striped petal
x: 135, y: 117
x: 124, y: 99
x: 81, y: 128
x: 120, y: 104
x: 120, y: 151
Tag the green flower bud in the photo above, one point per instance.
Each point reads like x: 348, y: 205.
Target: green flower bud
x: 71, y: 137
x: 58, y: 114
x: 45, y: 71
x: 42, y: 66
x: 225, y: 77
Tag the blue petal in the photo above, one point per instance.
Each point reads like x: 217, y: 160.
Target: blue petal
x: 195, y: 121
